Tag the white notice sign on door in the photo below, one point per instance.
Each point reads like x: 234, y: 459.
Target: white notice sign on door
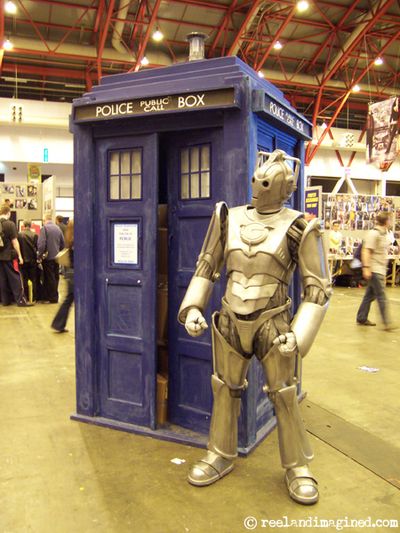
x: 126, y: 244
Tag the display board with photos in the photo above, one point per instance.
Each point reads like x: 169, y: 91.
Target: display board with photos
x: 355, y: 212
x: 21, y: 196
x: 25, y: 199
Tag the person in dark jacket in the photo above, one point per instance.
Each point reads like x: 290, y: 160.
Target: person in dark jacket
x: 10, y: 255
x: 60, y: 320
x: 51, y: 241
x: 28, y: 240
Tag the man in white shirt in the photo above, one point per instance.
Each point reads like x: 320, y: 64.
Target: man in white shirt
x: 374, y: 257
x: 335, y: 238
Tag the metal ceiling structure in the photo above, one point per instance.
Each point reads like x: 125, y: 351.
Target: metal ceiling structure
x: 61, y: 48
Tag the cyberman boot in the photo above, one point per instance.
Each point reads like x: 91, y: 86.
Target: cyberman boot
x: 228, y: 381
x: 302, y: 485
x: 294, y: 447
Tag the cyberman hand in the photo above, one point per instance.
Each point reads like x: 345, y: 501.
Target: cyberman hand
x: 195, y: 322
x: 287, y: 344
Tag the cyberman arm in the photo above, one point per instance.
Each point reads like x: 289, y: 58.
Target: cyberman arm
x: 208, y: 268
x: 315, y: 275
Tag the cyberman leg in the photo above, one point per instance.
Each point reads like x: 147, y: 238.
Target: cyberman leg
x: 294, y: 446
x: 228, y: 382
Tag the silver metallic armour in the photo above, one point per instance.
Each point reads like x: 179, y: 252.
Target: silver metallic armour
x: 261, y: 245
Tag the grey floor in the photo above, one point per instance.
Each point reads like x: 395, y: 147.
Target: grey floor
x: 60, y: 476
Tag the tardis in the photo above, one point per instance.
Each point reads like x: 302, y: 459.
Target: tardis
x: 154, y: 152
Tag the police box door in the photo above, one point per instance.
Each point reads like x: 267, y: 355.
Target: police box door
x: 195, y: 185
x: 125, y: 233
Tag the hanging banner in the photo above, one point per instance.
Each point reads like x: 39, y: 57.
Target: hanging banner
x: 382, y: 132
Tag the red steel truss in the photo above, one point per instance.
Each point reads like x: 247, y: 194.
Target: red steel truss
x: 326, y: 50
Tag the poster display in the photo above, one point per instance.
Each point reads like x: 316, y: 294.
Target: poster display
x: 313, y: 202
x: 126, y: 238
x: 354, y: 212
x: 22, y: 197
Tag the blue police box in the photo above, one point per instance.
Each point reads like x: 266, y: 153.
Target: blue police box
x: 154, y: 151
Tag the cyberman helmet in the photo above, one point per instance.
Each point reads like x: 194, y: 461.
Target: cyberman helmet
x: 273, y: 181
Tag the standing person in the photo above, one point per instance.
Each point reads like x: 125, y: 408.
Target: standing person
x: 60, y: 224
x: 51, y: 241
x: 28, y: 240
x: 60, y: 320
x: 374, y: 258
x: 10, y: 278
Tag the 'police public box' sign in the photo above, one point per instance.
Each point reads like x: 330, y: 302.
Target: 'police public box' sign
x: 157, y: 104
x: 271, y: 108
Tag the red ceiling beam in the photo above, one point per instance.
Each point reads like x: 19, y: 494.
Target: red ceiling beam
x: 34, y: 25
x: 103, y: 37
x: 360, y: 36
x: 45, y: 71
x: 275, y: 39
x: 222, y: 27
x: 73, y: 27
x: 99, y: 16
x: 310, y: 153
x: 70, y: 5
x: 143, y: 44
x: 339, y: 63
x: 139, y: 22
x: 253, y: 9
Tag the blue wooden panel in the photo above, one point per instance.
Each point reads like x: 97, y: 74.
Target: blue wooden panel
x: 124, y: 318
x: 190, y: 358
x: 125, y: 284
x: 199, y: 398
x: 125, y: 377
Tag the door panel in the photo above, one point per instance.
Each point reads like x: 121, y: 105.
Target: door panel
x: 125, y: 279
x: 195, y: 182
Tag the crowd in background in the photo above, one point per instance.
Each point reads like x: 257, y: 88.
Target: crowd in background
x: 29, y: 271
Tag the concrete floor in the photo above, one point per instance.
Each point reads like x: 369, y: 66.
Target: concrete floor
x: 60, y: 476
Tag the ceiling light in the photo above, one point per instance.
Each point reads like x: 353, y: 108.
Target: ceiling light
x: 261, y: 74
x: 303, y: 5
x: 356, y: 88
x: 278, y: 45
x: 144, y: 61
x: 324, y: 125
x: 8, y: 45
x: 10, y: 8
x: 378, y: 61
x: 157, y: 36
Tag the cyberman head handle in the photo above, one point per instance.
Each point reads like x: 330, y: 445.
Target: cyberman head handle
x: 273, y: 181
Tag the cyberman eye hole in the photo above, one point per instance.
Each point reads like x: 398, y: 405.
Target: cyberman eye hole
x: 265, y: 183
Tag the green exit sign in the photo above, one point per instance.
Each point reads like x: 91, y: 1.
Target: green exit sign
x: 45, y: 155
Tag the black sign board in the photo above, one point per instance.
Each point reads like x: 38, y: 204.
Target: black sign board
x: 271, y: 108
x: 156, y: 104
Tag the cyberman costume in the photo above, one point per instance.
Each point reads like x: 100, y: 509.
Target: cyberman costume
x: 261, y: 245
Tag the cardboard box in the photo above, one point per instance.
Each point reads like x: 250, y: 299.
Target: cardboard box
x: 162, y: 359
x: 162, y: 315
x: 162, y: 397
x: 163, y: 250
x: 163, y: 215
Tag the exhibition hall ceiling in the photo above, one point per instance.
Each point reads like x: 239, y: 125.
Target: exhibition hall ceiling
x: 56, y: 50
